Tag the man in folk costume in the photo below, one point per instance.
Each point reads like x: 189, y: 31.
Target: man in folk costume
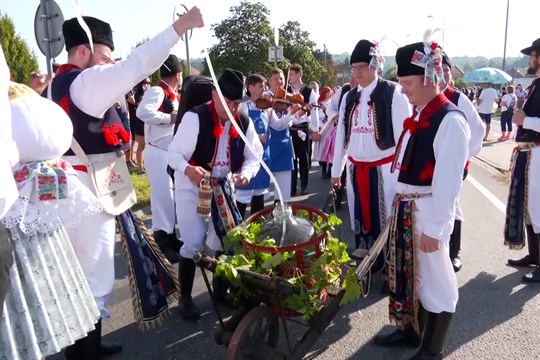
x: 430, y: 157
x: 158, y: 110
x: 305, y: 125
x: 87, y: 88
x: 370, y: 122
x: 478, y: 129
x: 207, y: 147
x: 523, y: 207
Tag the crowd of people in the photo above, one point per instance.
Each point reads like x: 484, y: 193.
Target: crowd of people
x: 400, y: 151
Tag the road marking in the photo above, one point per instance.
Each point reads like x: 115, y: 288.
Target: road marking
x: 488, y: 194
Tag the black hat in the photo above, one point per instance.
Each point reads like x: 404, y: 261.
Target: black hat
x: 361, y: 52
x: 170, y: 67
x: 231, y: 83
x: 446, y: 59
x: 75, y: 35
x: 404, y: 56
x: 535, y: 46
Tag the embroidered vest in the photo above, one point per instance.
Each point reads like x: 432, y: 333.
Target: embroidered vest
x: 418, y: 161
x: 345, y: 89
x: 381, y: 101
x: 531, y: 108
x: 87, y: 130
x: 205, y: 149
x: 452, y: 94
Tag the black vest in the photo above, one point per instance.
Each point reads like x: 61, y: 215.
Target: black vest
x: 305, y: 91
x: 206, y: 142
x: 531, y: 108
x: 381, y: 99
x: 418, y: 160
x: 87, y: 130
x: 345, y: 89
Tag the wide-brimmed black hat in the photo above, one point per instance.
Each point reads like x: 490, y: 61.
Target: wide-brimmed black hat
x: 361, y: 52
x: 404, y: 56
x: 232, y: 84
x: 170, y: 67
x: 75, y: 35
x: 534, y: 46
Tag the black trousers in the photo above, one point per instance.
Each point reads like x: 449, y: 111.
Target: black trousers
x: 301, y: 159
x: 6, y: 260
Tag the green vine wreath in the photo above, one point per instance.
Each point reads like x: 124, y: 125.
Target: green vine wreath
x: 312, y: 276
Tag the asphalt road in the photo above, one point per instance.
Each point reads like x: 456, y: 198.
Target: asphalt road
x: 497, y: 315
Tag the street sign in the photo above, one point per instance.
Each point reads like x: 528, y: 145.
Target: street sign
x: 48, y: 30
x: 273, y: 51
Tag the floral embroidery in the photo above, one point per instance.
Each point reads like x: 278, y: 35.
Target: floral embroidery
x: 113, y: 177
x: 50, y: 176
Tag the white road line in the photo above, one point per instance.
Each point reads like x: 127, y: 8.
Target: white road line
x: 488, y: 194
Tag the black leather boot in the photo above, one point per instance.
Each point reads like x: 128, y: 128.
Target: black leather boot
x: 532, y: 257
x: 91, y: 347
x: 186, y: 276
x: 407, y: 336
x: 174, y: 245
x: 164, y: 242
x: 455, y: 246
x: 435, y: 335
x: 534, y: 276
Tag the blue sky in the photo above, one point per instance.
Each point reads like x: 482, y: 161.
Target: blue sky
x: 472, y: 27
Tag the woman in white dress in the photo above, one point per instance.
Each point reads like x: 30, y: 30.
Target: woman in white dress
x: 49, y: 304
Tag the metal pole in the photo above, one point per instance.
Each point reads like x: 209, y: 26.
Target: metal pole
x: 187, y: 56
x: 324, y: 56
x: 275, y: 55
x: 505, y: 35
x: 45, y: 17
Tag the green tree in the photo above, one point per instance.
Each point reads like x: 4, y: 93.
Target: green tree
x: 20, y: 59
x: 299, y: 49
x: 243, y: 40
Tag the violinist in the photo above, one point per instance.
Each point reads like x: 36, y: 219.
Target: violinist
x: 265, y: 122
x: 280, y: 144
x: 306, y: 124
x: 370, y: 123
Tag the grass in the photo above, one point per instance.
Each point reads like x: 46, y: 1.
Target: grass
x: 142, y: 188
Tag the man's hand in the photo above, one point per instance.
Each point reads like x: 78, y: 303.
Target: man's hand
x: 336, y: 182
x: 315, y: 136
x: 195, y: 174
x: 240, y: 180
x: 429, y: 244
x: 519, y: 117
x: 263, y: 138
x: 190, y: 20
x: 174, y: 115
x: 294, y: 108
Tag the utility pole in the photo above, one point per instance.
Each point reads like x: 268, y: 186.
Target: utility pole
x: 505, y: 35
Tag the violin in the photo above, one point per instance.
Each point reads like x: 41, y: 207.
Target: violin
x: 281, y: 101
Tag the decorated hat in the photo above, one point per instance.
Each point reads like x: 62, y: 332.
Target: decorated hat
x: 534, y: 46
x: 421, y: 58
x: 232, y: 84
x: 324, y: 92
x: 446, y: 59
x: 75, y: 35
x: 361, y: 52
x: 170, y: 67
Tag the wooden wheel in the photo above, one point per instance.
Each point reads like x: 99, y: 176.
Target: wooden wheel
x: 259, y: 327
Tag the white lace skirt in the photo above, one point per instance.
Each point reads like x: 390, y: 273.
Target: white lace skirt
x: 49, y: 305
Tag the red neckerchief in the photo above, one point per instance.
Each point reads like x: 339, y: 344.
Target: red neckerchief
x: 218, y: 128
x: 411, y: 125
x: 67, y: 67
x: 171, y: 95
x: 449, y: 92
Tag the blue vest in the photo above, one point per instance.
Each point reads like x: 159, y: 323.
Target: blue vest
x: 280, y: 144
x: 260, y: 121
x: 87, y: 130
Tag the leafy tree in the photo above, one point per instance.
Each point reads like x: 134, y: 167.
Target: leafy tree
x: 298, y: 48
x: 20, y: 59
x: 243, y: 40
x: 390, y: 73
